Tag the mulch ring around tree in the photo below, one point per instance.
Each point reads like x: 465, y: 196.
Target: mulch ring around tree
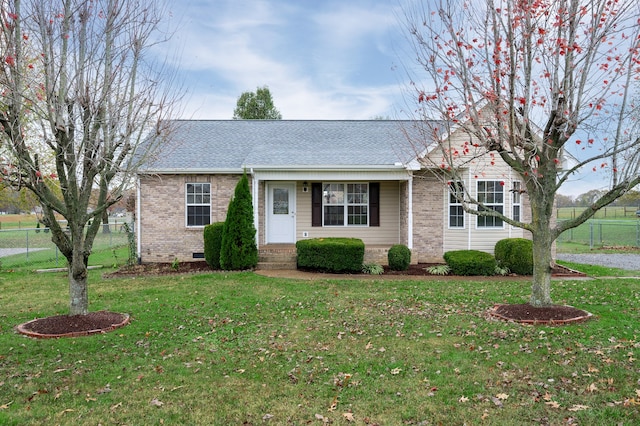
x: 73, y: 325
x: 550, y: 315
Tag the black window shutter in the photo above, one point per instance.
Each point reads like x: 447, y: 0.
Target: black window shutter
x: 316, y: 204
x: 374, y: 203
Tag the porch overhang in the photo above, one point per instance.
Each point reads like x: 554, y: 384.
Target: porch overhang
x: 330, y: 175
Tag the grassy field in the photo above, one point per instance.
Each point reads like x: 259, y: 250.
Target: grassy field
x: 603, y: 233
x: 609, y: 213
x: 18, y: 221
x: 239, y: 348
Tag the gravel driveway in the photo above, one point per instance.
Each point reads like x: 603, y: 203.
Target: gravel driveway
x: 626, y: 261
x: 11, y: 251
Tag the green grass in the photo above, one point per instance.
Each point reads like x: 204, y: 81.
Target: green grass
x: 603, y: 233
x: 599, y: 271
x: 609, y: 212
x: 239, y: 348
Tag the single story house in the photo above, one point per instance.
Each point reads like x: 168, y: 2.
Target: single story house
x: 318, y: 178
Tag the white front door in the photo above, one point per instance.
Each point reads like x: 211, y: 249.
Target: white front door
x: 281, y: 215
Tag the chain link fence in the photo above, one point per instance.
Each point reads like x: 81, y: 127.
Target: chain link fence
x: 33, y: 248
x: 604, y: 233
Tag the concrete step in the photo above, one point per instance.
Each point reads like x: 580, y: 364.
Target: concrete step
x: 276, y: 265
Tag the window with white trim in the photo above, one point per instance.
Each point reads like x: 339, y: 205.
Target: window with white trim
x: 491, y: 195
x: 345, y: 200
x: 456, y: 212
x: 198, y: 202
x: 516, y: 200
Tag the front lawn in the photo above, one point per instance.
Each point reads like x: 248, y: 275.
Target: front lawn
x: 239, y: 348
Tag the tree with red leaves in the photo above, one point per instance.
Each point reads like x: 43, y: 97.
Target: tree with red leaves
x: 82, y: 103
x: 528, y: 81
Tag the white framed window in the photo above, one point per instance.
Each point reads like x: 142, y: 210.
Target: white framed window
x: 516, y: 200
x: 345, y: 204
x: 198, y: 203
x: 491, y: 195
x: 456, y: 212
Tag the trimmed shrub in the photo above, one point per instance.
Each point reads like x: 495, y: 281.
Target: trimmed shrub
x: 331, y: 254
x: 239, y: 249
x: 213, y: 244
x: 470, y: 262
x: 399, y: 257
x: 515, y: 254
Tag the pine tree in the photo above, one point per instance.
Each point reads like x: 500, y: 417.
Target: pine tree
x: 239, y: 250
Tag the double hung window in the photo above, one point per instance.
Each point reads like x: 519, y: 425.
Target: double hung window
x: 516, y: 201
x: 198, y: 204
x: 456, y: 212
x: 345, y: 204
x: 491, y: 195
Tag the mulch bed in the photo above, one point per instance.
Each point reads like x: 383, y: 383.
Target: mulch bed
x: 201, y: 266
x: 526, y: 314
x: 74, y: 325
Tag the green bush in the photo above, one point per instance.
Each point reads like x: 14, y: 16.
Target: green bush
x: 470, y: 262
x: 372, y: 269
x: 515, y: 254
x: 213, y: 243
x: 399, y: 257
x: 239, y: 249
x: 331, y: 254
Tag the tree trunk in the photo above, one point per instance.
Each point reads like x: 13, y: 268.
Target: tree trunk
x: 541, y: 285
x: 105, y: 222
x: 78, y: 292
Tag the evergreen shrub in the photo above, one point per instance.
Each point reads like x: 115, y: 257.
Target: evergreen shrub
x: 399, y: 257
x: 213, y: 244
x: 515, y: 254
x: 239, y: 250
x: 338, y: 255
x: 470, y: 262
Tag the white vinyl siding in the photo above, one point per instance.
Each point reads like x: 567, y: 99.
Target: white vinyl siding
x: 386, y: 234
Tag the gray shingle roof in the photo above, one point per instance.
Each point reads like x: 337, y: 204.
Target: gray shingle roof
x: 226, y: 145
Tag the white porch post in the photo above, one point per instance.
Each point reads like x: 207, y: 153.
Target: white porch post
x: 138, y: 227
x: 255, y: 183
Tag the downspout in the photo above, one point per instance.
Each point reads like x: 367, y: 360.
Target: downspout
x: 410, y: 213
x: 138, y: 228
x: 509, y: 202
x: 470, y: 216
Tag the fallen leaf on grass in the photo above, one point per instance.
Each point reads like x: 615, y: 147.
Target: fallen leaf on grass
x: 396, y: 371
x: 113, y: 407
x: 463, y: 399
x: 502, y: 396
x: 156, y: 402
x: 553, y: 404
x: 579, y: 407
x: 348, y: 417
x: 592, y: 388
x: 5, y: 406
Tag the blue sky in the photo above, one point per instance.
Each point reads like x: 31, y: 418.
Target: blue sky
x: 321, y: 59
x: 329, y: 59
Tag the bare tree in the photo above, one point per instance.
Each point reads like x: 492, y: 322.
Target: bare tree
x: 526, y: 80
x: 80, y: 93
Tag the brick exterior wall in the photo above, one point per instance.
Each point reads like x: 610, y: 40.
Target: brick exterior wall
x: 428, y: 204
x: 163, y: 230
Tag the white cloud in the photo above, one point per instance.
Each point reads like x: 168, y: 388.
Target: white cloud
x: 315, y: 57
